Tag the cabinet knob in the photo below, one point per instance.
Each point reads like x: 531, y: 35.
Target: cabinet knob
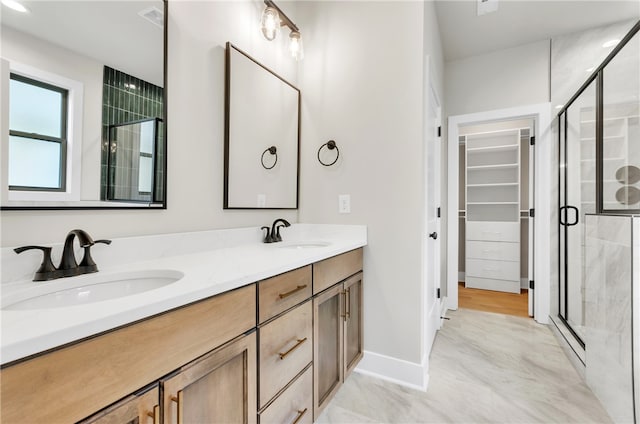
x: 433, y: 235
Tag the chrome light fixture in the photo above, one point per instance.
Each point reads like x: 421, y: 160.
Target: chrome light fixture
x: 272, y: 19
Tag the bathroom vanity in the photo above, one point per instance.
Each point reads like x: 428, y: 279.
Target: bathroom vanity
x: 275, y: 349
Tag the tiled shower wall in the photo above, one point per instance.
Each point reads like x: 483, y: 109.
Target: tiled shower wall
x: 609, y: 301
x: 126, y: 98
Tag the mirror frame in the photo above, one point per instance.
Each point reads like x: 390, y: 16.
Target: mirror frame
x: 115, y: 206
x: 227, y: 110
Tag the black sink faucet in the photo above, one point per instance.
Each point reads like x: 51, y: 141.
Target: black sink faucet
x: 68, y: 261
x: 275, y: 229
x: 68, y: 266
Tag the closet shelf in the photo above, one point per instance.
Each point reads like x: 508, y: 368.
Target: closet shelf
x: 505, y: 147
x: 493, y: 185
x: 493, y: 203
x: 499, y: 166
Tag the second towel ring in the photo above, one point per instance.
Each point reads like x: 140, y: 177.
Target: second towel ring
x: 330, y: 145
x: 273, y: 151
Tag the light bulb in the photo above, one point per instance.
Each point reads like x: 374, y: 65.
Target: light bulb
x: 270, y: 23
x: 295, y: 45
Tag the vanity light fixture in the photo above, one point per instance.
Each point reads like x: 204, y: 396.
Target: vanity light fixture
x: 15, y: 5
x: 272, y: 19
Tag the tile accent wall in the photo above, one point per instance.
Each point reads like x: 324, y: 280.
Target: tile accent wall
x: 126, y: 98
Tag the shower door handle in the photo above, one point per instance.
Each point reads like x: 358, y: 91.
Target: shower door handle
x: 575, y: 222
x: 563, y: 213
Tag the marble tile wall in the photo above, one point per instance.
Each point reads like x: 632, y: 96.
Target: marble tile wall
x: 608, y: 302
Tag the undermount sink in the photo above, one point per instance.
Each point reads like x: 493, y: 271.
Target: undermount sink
x: 89, y: 289
x: 303, y: 244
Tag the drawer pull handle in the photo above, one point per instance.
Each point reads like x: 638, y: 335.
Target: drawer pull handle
x: 155, y: 414
x: 300, y: 415
x: 178, y: 401
x: 297, y: 345
x: 294, y: 291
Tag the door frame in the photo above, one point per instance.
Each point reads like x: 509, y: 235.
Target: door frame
x: 541, y: 113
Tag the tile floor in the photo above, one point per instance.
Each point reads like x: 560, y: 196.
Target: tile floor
x: 484, y: 368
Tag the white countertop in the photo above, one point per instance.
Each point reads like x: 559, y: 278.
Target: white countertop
x: 206, y: 273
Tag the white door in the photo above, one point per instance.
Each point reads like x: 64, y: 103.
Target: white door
x: 432, y: 237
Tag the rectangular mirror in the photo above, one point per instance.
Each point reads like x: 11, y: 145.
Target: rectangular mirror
x: 83, y: 105
x: 262, y: 136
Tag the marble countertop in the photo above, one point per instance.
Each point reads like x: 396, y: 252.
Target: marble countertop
x: 206, y: 273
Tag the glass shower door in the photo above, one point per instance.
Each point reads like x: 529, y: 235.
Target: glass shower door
x: 577, y: 198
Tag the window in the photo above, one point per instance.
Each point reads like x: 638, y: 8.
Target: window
x: 37, y: 135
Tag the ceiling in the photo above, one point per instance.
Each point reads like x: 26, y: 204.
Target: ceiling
x: 518, y: 22
x: 111, y: 32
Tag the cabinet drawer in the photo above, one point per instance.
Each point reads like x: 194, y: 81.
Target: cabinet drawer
x: 333, y: 270
x: 294, y: 405
x: 282, y: 292
x: 491, y: 284
x: 493, y: 231
x: 496, y: 250
x: 501, y: 270
x: 286, y: 347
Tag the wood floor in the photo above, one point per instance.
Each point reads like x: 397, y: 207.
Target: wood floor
x: 493, y: 301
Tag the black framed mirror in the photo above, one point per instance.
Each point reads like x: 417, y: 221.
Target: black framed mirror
x: 109, y: 59
x: 262, y: 136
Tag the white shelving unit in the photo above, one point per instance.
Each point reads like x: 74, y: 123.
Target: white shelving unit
x: 492, y: 258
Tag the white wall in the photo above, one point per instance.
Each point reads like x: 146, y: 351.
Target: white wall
x: 198, y: 32
x: 362, y: 86
x: 507, y: 78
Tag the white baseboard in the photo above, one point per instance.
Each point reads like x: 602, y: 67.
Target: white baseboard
x: 524, y: 283
x: 399, y: 371
x: 460, y: 276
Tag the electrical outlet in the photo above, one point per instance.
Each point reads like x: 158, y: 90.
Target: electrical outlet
x: 262, y: 200
x: 344, y: 203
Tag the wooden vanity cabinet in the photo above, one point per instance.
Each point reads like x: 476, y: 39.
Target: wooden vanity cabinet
x: 337, y: 315
x: 220, y: 387
x: 139, y: 408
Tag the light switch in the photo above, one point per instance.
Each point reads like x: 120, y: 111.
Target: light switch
x: 344, y: 203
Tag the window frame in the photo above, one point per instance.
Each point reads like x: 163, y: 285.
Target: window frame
x: 75, y: 135
x: 62, y: 140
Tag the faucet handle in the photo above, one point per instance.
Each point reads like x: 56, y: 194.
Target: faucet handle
x: 88, y: 263
x: 267, y: 237
x: 47, y: 269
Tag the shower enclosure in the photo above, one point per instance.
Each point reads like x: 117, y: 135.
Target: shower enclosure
x: 135, y: 161
x: 599, y: 204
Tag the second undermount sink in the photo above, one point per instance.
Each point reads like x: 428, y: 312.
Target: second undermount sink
x: 303, y: 244
x: 89, y: 289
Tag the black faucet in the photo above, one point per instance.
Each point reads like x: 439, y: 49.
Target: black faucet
x: 274, y: 236
x: 68, y: 266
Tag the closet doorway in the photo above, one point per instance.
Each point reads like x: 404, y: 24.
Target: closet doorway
x: 495, y: 219
x: 498, y: 208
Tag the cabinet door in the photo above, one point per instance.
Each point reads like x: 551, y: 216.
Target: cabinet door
x: 135, y: 409
x: 220, y: 387
x: 352, y: 323
x: 328, y: 332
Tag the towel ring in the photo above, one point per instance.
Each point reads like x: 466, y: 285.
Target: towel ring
x: 273, y: 151
x: 330, y: 145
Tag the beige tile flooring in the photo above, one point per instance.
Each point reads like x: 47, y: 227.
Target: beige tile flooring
x: 484, y: 368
